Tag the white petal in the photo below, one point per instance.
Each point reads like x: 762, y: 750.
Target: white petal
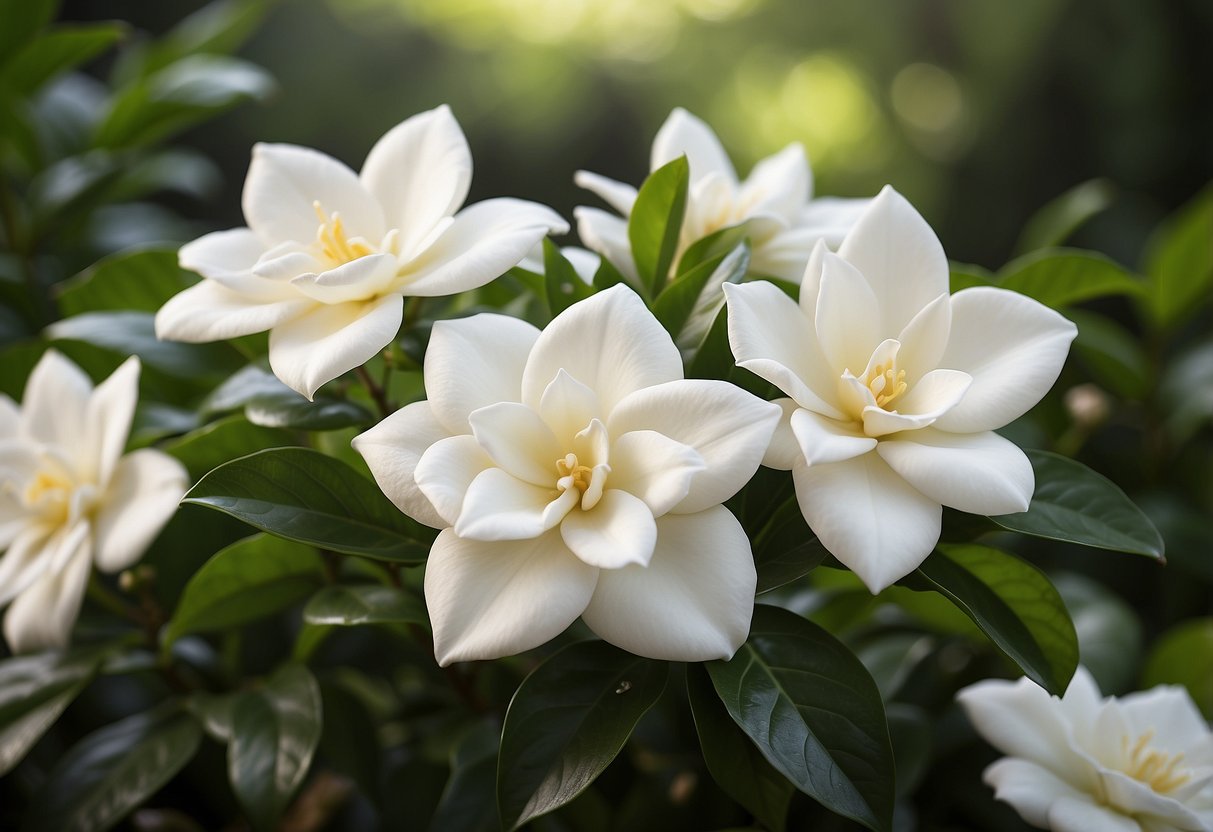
x: 25, y: 560
x: 683, y: 134
x: 693, y: 601
x: 281, y: 263
x: 316, y: 347
x: 473, y: 362
x: 55, y: 400
x: 43, y: 615
x: 10, y: 418
x: 499, y: 506
x: 419, y: 172
x: 609, y: 342
x: 784, y: 450
x: 618, y: 531
x: 607, y: 235
x: 727, y: 426
x: 899, y: 256
x: 931, y: 397
x: 1021, y: 719
x: 618, y: 195
x: 209, y: 312
x: 142, y: 497
x: 488, y: 600
x: 1030, y: 788
x: 924, y: 338
x: 655, y: 468
x: 392, y: 449
x: 1082, y: 814
x: 444, y: 472
x: 357, y: 280
x: 484, y: 242
x: 285, y: 182
x: 848, y: 320
x: 779, y: 184
x: 568, y: 405
x: 980, y: 473
x: 821, y: 440
x: 519, y: 441
x: 234, y: 251
x: 830, y: 219
x: 1169, y: 712
x: 1013, y: 347
x: 868, y: 517
x: 108, y: 420
x: 771, y: 338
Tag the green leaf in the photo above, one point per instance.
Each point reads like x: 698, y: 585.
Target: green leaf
x: 111, y: 771
x: 714, y: 358
x: 910, y: 731
x: 56, y: 52
x: 347, y: 606
x: 1013, y: 603
x: 349, y: 743
x: 786, y: 549
x: 22, y: 21
x: 308, y: 497
x: 734, y: 762
x: 275, y: 730
x: 1109, y: 633
x: 966, y: 275
x: 814, y: 712
x: 656, y: 222
x: 217, y: 27
x: 212, y: 445
x: 715, y: 245
x: 565, y: 724
x: 1075, y: 504
x: 1060, y: 277
x: 270, y: 403
x: 1184, y: 656
x: 250, y: 579
x: 1053, y: 224
x: 607, y: 276
x: 467, y: 800
x: 689, y: 292
x: 1179, y: 262
x: 1112, y: 354
x: 563, y: 286
x: 132, y: 280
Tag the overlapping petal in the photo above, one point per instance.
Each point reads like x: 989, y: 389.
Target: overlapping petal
x: 222, y: 252
x: 392, y: 450
x: 209, y: 312
x: 617, y: 532
x: 683, y: 134
x: 138, y: 502
x: 42, y: 616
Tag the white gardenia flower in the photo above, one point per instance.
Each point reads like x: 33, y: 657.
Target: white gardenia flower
x: 69, y: 498
x: 784, y: 221
x: 1140, y: 763
x: 575, y: 472
x: 329, y: 255
x: 896, y: 389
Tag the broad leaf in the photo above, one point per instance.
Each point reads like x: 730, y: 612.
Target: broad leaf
x: 347, y: 606
x: 1013, y: 603
x: 656, y: 222
x: 1113, y: 355
x: 56, y: 52
x: 134, y: 280
x: 1078, y: 505
x: 1061, y: 277
x: 786, y: 548
x: 218, y: 27
x: 212, y: 445
x: 1053, y: 224
x: 270, y: 403
x: 1179, y: 262
x: 565, y: 724
x: 717, y: 244
x: 275, y: 730
x: 250, y: 579
x: 562, y: 285
x: 308, y: 497
x: 814, y: 712
x: 698, y: 293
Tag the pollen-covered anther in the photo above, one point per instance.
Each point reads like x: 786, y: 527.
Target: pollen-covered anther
x: 332, y: 238
x: 1161, y: 772
x: 887, y: 384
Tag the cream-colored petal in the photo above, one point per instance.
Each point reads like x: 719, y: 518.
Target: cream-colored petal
x: 931, y: 397
x: 234, y: 251
x: 1083, y: 814
x: 444, y: 472
x: 924, y: 338
x: 140, y: 499
x: 784, y: 449
x: 618, y: 195
x: 499, y: 506
x: 848, y: 317
x: 55, y: 402
x: 657, y: 469
x: 108, y: 421
x: 1031, y: 789
x: 779, y: 184
x: 608, y: 236
x: 518, y: 441
x: 357, y: 280
x: 568, y: 406
x: 43, y: 615
x: 25, y: 560
x: 683, y: 134
x: 392, y: 449
x: 209, y: 312
x: 618, y: 531
x: 821, y: 440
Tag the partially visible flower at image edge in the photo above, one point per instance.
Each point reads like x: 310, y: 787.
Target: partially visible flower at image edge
x: 576, y: 473
x: 329, y: 255
x: 1079, y: 763
x: 895, y: 389
x: 69, y: 498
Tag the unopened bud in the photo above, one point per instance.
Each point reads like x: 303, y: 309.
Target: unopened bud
x: 1087, y: 405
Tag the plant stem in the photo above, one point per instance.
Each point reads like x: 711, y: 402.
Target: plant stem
x: 377, y: 393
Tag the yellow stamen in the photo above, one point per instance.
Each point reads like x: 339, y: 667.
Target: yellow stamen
x: 887, y: 384
x: 1157, y: 770
x: 569, y: 466
x: 334, y: 242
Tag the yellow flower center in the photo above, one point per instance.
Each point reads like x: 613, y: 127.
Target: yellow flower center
x: 334, y: 243
x: 1161, y: 772
x: 886, y: 383
x: 584, y: 481
x: 51, y: 491
x: 570, y: 467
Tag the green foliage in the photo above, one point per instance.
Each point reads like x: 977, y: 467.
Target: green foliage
x: 1053, y: 223
x: 1061, y: 277
x: 268, y: 402
x: 1184, y: 656
x: 1179, y: 262
x: 139, y: 280
x: 348, y: 606
x: 562, y: 285
x: 656, y: 222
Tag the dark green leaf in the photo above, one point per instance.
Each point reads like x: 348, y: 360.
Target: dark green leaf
x: 270, y: 403
x: 714, y: 358
x: 563, y: 286
x: 308, y: 497
x: 57, y: 51
x: 735, y: 763
x: 910, y: 731
x: 467, y: 801
x: 717, y: 244
x: 565, y: 724
x: 1053, y: 224
x: 275, y: 730
x: 607, y: 276
x: 1179, y: 262
x: 814, y: 712
x: 113, y: 770
x: 1059, y: 277
x: 1112, y: 354
x: 1184, y: 656
x: 349, y: 742
x: 250, y: 579
x: 786, y: 549
x: 1013, y: 603
x: 218, y: 27
x: 698, y: 292
x: 22, y: 21
x: 1078, y: 505
x: 131, y: 280
x: 212, y: 445
x: 346, y: 606
x: 656, y: 222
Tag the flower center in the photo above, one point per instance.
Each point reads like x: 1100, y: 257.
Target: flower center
x: 886, y: 383
x: 1161, y: 772
x: 333, y: 241
x: 586, y: 481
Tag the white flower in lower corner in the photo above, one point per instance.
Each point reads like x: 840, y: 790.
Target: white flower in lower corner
x: 69, y: 498
x: 896, y: 388
x: 329, y: 255
x: 1140, y: 763
x: 575, y: 472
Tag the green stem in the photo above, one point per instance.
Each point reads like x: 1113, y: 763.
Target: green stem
x: 377, y: 393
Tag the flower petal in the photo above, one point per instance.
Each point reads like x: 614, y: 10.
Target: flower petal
x: 618, y: 531
x: 392, y: 449
x: 848, y: 322
x: 1020, y: 719
x: 694, y: 600
x: 784, y: 449
x: 25, y: 560
x: 357, y: 280
x: 830, y: 219
x: 821, y: 440
x: 209, y: 312
x: 1030, y: 788
x: 924, y: 338
x: 419, y: 172
x: 609, y: 342
x: 618, y: 195
x: 445, y: 471
x: 499, y: 506
x: 980, y: 473
x: 54, y: 404
x: 285, y: 182
x: 108, y: 420
x: 141, y: 498
x: 868, y: 517
x: 779, y: 184
x: 1169, y: 713
x: 474, y: 362
x: 900, y: 258
x: 655, y: 468
x: 10, y: 418
x: 728, y: 427
x: 519, y: 441
x: 1013, y: 347
x: 932, y: 396
x: 683, y: 134
x: 488, y: 600
x: 234, y: 251
x: 483, y: 242
x: 607, y: 235
x: 43, y: 615
x: 568, y: 406
x: 771, y: 337
x: 1082, y: 814
x: 316, y: 347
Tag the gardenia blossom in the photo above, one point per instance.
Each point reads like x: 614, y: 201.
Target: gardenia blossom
x: 1140, y: 763
x: 329, y: 255
x: 575, y: 472
x: 69, y: 498
x: 783, y: 221
x: 896, y: 389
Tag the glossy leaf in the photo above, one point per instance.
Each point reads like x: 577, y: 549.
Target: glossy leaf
x: 308, y: 497
x: 1013, y: 603
x: 275, y: 731
x: 1053, y: 224
x: 786, y: 548
x: 565, y: 724
x: 348, y: 606
x: 1179, y: 262
x: 250, y: 579
x: 656, y: 222
x: 814, y: 712
x: 715, y: 245
x: 562, y: 285
x: 134, y: 280
x: 1061, y: 277
x: 1078, y: 505
x: 698, y: 292
x: 270, y: 403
